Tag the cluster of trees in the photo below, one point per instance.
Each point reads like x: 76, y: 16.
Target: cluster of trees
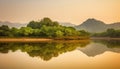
x: 45, y: 50
x: 108, y: 33
x: 43, y: 28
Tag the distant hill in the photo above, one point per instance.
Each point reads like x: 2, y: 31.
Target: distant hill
x: 67, y: 24
x: 114, y: 25
x: 17, y: 25
x: 93, y: 25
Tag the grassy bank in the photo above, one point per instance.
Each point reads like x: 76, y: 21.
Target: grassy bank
x: 26, y: 39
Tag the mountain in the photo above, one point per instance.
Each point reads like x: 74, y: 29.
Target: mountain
x: 94, y: 26
x: 17, y: 25
x: 67, y: 24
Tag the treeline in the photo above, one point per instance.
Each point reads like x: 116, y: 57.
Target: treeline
x: 108, y: 33
x: 45, y: 28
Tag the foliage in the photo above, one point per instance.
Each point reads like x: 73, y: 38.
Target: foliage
x: 39, y: 24
x: 4, y: 30
x: 26, y: 31
x: 43, y: 28
x: 108, y: 33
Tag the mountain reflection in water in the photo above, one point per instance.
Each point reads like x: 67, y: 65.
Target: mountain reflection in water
x: 44, y: 50
x: 48, y: 50
x: 97, y: 47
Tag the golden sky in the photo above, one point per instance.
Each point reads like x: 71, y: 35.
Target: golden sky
x: 74, y: 11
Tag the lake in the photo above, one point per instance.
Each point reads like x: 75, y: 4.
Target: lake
x: 83, y: 54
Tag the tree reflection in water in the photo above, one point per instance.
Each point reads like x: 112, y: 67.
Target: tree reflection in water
x: 109, y: 43
x: 44, y: 50
x: 97, y: 47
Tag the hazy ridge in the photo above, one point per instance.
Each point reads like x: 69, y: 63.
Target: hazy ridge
x: 90, y: 25
x: 93, y: 25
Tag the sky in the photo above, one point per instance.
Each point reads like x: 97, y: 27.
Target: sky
x: 73, y: 11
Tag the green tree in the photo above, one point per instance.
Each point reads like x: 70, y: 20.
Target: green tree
x: 110, y: 32
x: 45, y: 21
x: 36, y: 33
x: 84, y: 33
x: 15, y: 32
x: 5, y: 28
x: 59, y: 33
x: 26, y: 31
x: 5, y: 31
x: 34, y: 24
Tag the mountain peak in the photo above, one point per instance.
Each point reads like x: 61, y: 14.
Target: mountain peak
x: 92, y: 25
x: 93, y: 21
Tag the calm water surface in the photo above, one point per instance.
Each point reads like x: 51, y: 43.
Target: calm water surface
x: 94, y: 54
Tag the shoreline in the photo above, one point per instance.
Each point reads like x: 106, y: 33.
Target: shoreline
x: 104, y: 38
x: 24, y: 39
x: 50, y: 39
x: 37, y: 40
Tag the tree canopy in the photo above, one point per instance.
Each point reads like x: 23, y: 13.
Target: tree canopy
x: 44, y: 21
x: 43, y: 28
x: 108, y: 33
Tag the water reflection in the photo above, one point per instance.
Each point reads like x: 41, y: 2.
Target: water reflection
x: 48, y: 50
x: 69, y: 55
x: 44, y: 50
x: 97, y: 47
x: 109, y: 43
